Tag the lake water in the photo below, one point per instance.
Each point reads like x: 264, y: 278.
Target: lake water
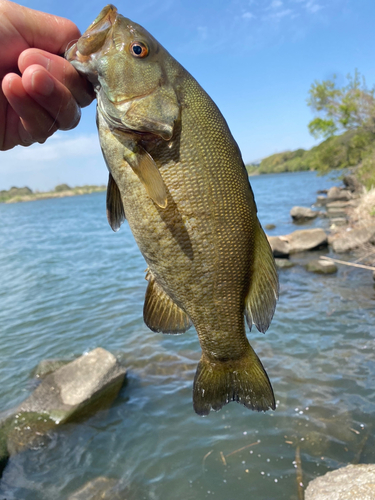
x: 69, y: 284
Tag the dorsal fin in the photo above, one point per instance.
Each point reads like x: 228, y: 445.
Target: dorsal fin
x: 160, y: 312
x: 115, y: 207
x: 263, y: 291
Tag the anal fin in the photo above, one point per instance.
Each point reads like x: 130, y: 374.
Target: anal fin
x: 115, y: 207
x: 160, y: 312
x: 260, y: 302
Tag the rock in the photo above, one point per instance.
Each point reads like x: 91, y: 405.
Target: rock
x: 302, y: 214
x: 284, y: 263
x: 70, y: 388
x: 321, y: 200
x: 269, y: 226
x: 321, y: 267
x: 353, y: 482
x: 338, y: 204
x: 298, y: 241
x: 322, y: 191
x: 74, y: 391
x: 98, y: 489
x: 352, y: 183
x: 335, y: 194
x: 354, y: 238
x: 279, y: 245
x: 307, y: 239
x: 338, y: 222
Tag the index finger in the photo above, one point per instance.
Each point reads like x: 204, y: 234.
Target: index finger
x: 62, y: 70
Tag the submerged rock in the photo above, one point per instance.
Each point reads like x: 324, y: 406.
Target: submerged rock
x: 354, y: 482
x: 47, y: 366
x: 98, y: 489
x: 303, y: 214
x: 321, y: 267
x: 269, y: 226
x: 284, y: 263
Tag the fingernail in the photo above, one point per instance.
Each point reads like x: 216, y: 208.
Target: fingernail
x: 42, y: 83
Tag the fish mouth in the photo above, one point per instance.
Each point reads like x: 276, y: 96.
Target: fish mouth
x: 94, y: 37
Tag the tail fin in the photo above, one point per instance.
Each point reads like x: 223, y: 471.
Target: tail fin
x: 217, y: 383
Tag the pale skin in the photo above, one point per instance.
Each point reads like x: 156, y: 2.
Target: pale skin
x: 40, y: 91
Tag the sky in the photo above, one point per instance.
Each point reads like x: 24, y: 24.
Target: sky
x: 256, y: 58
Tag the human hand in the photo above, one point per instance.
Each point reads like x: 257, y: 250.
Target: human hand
x: 48, y: 94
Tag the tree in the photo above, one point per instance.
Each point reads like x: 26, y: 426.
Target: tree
x: 351, y: 107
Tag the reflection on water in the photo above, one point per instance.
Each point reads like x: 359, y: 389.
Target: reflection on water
x: 69, y: 284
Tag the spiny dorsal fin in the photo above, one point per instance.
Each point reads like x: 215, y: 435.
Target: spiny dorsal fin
x: 160, y: 313
x: 263, y: 292
x: 115, y: 208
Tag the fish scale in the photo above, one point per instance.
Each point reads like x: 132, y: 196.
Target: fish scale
x: 177, y: 175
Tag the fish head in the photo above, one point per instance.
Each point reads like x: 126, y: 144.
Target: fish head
x: 128, y: 70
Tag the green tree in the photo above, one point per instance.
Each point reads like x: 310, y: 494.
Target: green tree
x: 351, y: 107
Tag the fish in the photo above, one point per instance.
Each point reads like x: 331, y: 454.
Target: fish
x: 177, y: 176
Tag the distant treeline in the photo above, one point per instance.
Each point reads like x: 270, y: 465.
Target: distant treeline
x: 353, y: 149
x: 15, y: 194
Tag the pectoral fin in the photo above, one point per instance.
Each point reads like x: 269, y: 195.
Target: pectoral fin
x: 263, y: 291
x: 115, y: 207
x: 160, y: 312
x: 147, y: 171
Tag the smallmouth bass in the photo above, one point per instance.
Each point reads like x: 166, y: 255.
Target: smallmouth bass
x: 176, y: 174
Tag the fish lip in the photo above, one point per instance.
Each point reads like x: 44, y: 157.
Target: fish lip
x: 109, y: 14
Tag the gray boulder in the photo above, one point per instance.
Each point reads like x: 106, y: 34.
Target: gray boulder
x: 354, y: 482
x: 303, y: 214
x: 307, y: 239
x: 353, y: 184
x: 74, y: 391
x: 68, y: 390
x: 353, y: 239
x: 279, y: 246
x: 335, y: 193
x: 321, y: 267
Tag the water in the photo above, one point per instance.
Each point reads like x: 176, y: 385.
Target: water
x: 69, y: 284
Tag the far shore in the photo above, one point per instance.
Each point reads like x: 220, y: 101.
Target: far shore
x: 16, y: 195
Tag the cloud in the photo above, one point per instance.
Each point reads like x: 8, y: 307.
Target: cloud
x: 313, y: 7
x: 282, y: 13
x: 248, y: 15
x: 275, y: 4
x: 75, y: 160
x: 58, y: 147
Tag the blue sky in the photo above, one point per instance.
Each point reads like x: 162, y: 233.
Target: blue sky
x: 256, y: 59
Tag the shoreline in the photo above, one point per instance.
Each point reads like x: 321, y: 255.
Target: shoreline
x: 9, y: 197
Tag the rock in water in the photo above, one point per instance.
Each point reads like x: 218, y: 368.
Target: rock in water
x: 307, y: 239
x: 76, y: 390
x: 354, y: 482
x: 321, y: 267
x: 303, y: 214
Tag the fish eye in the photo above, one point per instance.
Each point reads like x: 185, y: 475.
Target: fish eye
x: 138, y: 49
